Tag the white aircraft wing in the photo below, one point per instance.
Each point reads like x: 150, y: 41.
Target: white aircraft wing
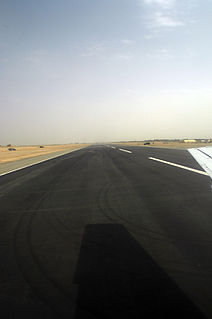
x: 203, y: 155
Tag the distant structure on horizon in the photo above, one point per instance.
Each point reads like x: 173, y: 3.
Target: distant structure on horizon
x: 190, y: 141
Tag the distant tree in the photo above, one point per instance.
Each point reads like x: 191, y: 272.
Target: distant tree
x: 8, y: 145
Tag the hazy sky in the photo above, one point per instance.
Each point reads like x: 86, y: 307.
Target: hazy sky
x: 101, y: 70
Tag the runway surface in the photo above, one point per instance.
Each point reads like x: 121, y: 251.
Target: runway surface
x: 105, y: 233
x: 13, y: 166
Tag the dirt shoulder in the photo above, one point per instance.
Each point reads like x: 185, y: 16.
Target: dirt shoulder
x: 23, y: 152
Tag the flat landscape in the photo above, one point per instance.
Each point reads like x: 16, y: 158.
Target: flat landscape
x: 107, y: 232
x: 116, y: 221
x: 167, y: 144
x: 23, y: 152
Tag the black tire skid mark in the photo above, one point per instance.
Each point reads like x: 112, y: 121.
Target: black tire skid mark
x: 105, y: 194
x: 60, y: 222
x: 180, y: 187
x: 49, y: 282
x: 152, y: 171
x: 197, y: 272
x: 57, y: 293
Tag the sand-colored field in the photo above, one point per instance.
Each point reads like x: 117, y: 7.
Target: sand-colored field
x: 169, y: 144
x: 31, y: 151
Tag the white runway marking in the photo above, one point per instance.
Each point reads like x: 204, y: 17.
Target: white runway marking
x: 180, y: 166
x: 47, y: 159
x: 113, y: 147
x: 121, y: 149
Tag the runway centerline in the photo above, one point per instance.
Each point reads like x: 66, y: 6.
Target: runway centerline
x: 123, y: 150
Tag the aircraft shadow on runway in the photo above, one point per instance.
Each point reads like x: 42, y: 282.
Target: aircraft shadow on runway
x: 118, y: 279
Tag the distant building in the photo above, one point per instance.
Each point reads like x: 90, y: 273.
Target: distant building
x: 190, y: 141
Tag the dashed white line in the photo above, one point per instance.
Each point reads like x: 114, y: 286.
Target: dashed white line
x: 180, y: 166
x: 121, y: 149
x: 32, y: 164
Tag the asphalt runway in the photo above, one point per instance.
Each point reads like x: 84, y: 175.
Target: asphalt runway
x: 105, y: 233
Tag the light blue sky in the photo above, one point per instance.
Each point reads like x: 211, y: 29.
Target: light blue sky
x: 104, y: 70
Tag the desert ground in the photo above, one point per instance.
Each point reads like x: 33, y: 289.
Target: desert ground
x: 22, y: 152
x: 168, y: 144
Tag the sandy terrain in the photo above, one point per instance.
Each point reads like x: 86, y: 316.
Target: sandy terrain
x: 31, y: 151
x: 170, y: 144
